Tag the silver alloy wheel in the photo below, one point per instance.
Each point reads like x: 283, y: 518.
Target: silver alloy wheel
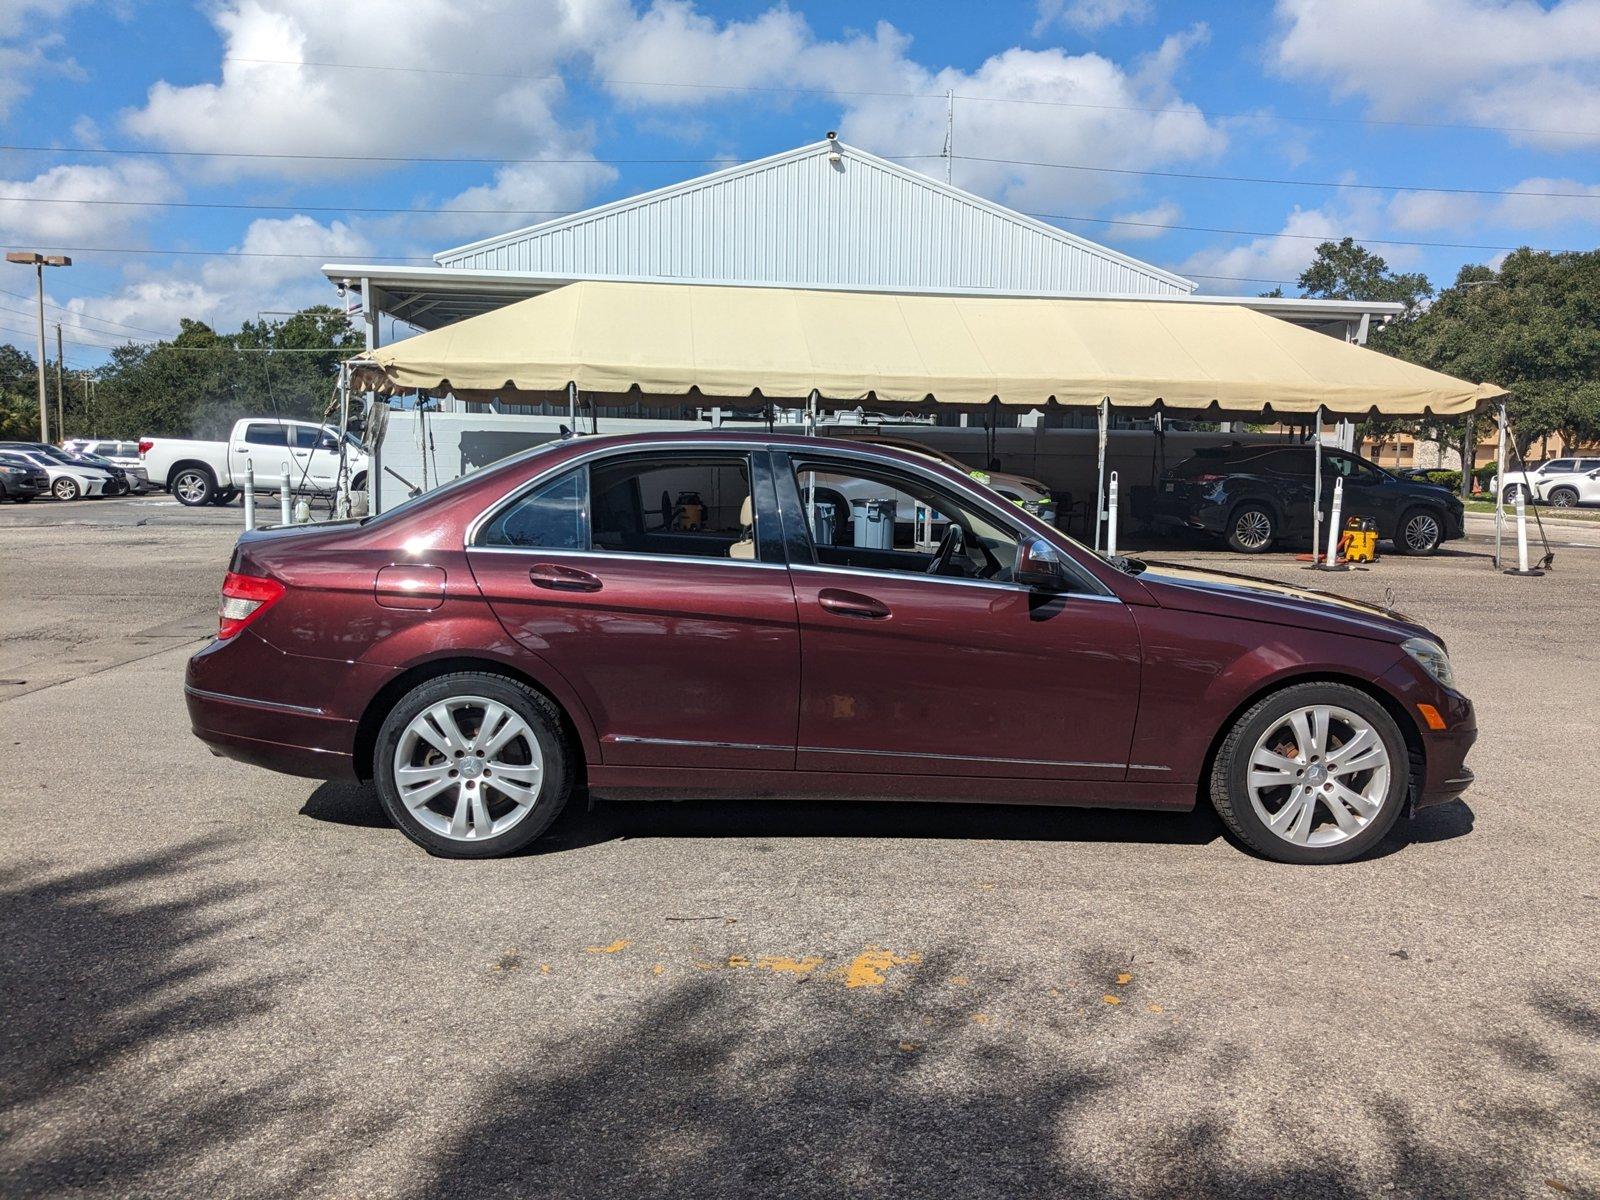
x: 468, y: 768
x: 191, y: 487
x: 1252, y: 529
x: 1563, y: 497
x: 1319, y: 776
x: 64, y: 489
x: 1422, y: 532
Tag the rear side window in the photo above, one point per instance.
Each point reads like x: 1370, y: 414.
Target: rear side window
x: 1559, y: 464
x: 551, y: 517
x: 265, y: 435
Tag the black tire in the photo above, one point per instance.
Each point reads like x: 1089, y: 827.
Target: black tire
x: 1230, y: 797
x: 533, y: 707
x: 21, y: 499
x: 225, y: 496
x: 1252, y: 528
x: 193, y: 487
x: 1512, y: 490
x: 66, y: 489
x: 1564, y: 497
x: 1420, y: 533
x: 359, y: 483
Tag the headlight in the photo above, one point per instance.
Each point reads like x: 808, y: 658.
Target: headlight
x: 1432, y: 658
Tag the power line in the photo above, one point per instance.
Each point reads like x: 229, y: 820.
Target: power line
x: 1175, y: 110
x: 83, y: 315
x: 1261, y: 233
x: 1192, y: 176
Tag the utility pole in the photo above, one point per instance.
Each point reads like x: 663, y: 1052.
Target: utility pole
x: 39, y: 262
x: 61, y: 420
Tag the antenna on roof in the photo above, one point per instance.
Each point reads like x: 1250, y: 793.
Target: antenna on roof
x: 566, y: 434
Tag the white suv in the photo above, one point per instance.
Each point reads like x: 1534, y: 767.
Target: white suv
x: 1562, y: 482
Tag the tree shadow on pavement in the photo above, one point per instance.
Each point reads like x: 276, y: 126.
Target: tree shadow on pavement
x: 118, y: 982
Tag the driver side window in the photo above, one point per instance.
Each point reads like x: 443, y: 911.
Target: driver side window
x: 885, y: 521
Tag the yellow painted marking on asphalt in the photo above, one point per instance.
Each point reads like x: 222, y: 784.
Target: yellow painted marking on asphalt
x: 1109, y: 999
x: 958, y: 981
x: 738, y: 960
x: 615, y: 947
x: 657, y: 969
x: 1155, y: 1008
x: 1123, y: 978
x: 910, y: 1047
x: 544, y: 968
x: 870, y: 968
x: 981, y: 1018
x: 789, y: 966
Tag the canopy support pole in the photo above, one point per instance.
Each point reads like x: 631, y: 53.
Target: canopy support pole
x: 1316, y: 489
x: 1500, y: 486
x: 370, y: 312
x: 811, y: 413
x: 1100, y: 470
x: 572, y: 406
x: 341, y: 501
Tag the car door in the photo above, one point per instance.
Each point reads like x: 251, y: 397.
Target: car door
x: 952, y: 673
x: 651, y: 581
x: 322, y: 450
x: 1365, y: 494
x: 262, y: 446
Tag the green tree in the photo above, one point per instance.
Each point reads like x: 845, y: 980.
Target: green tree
x: 19, y: 395
x: 1345, y: 270
x: 1533, y: 327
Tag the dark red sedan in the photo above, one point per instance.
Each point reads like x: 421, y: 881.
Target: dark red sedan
x: 694, y: 615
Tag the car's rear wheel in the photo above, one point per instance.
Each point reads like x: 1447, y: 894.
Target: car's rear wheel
x: 225, y: 496
x: 1251, y: 529
x: 65, y: 489
x: 193, y: 486
x: 1563, y: 497
x: 1513, y: 490
x: 1314, y: 773
x: 473, y: 765
x: 1420, y: 532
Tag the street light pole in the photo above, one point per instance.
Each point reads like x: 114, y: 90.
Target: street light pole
x: 39, y: 262
x: 61, y: 403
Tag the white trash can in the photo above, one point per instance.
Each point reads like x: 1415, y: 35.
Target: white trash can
x: 874, y: 523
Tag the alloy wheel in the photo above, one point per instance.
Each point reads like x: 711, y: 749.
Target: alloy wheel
x: 1563, y: 497
x: 1318, y: 776
x: 191, y: 487
x: 468, y: 768
x: 64, y: 489
x: 1422, y: 532
x: 1253, y: 529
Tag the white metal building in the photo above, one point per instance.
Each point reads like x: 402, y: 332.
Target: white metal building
x: 825, y: 215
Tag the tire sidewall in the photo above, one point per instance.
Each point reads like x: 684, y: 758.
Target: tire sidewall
x: 1402, y: 546
x: 204, y: 477
x: 1563, y: 497
x: 1229, y: 534
x: 70, y: 486
x: 531, y: 707
x: 1261, y: 718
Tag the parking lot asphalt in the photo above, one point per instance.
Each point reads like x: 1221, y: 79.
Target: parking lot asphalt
x: 225, y: 982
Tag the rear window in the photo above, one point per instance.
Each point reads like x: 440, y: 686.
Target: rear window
x: 266, y: 435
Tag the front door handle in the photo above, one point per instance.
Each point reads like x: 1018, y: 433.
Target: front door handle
x: 563, y: 579
x: 852, y: 604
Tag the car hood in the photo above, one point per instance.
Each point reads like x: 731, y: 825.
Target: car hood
x: 1225, y: 594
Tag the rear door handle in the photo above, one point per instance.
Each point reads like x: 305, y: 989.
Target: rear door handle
x: 563, y: 579
x: 852, y: 604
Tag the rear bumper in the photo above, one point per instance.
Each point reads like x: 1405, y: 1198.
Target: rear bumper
x: 286, y: 738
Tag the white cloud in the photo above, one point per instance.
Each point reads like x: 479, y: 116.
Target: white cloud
x: 271, y: 99
x: 1547, y: 212
x: 29, y: 45
x: 1281, y: 257
x: 225, y: 290
x: 1109, y: 122
x: 1500, y: 62
x: 32, y: 219
x: 1422, y: 211
x: 1146, y: 222
x: 1090, y: 16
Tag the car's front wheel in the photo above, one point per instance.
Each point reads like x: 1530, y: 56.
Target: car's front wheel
x: 65, y: 489
x: 473, y: 765
x: 1564, y: 497
x: 1314, y: 773
x: 1421, y: 532
x: 1251, y: 529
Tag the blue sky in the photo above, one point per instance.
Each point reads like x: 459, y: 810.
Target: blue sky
x: 1392, y: 102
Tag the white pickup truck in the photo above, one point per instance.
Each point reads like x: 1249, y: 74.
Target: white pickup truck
x: 214, y: 472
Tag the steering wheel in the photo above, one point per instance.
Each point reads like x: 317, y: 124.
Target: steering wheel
x: 952, y: 543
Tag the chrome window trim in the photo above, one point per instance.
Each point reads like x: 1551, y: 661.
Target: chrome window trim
x: 951, y: 579
x: 626, y: 556
x: 587, y: 457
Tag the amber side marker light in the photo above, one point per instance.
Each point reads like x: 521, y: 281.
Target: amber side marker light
x: 1430, y: 714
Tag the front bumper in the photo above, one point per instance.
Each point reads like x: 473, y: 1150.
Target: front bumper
x: 1445, y: 774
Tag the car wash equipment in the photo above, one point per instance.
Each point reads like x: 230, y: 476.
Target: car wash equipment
x: 1359, y: 541
x: 1522, y: 537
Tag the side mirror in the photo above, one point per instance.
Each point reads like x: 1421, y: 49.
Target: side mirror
x: 1039, y: 566
x: 327, y: 442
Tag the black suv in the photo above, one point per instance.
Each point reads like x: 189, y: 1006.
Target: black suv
x: 1254, y: 496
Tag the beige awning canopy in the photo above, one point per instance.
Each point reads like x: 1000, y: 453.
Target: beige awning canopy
x: 666, y: 341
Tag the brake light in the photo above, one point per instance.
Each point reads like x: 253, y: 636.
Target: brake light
x: 1207, y: 478
x: 144, y: 446
x: 244, y: 599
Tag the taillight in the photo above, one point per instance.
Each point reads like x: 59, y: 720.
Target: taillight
x: 244, y: 598
x: 144, y: 446
x: 1206, y: 478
